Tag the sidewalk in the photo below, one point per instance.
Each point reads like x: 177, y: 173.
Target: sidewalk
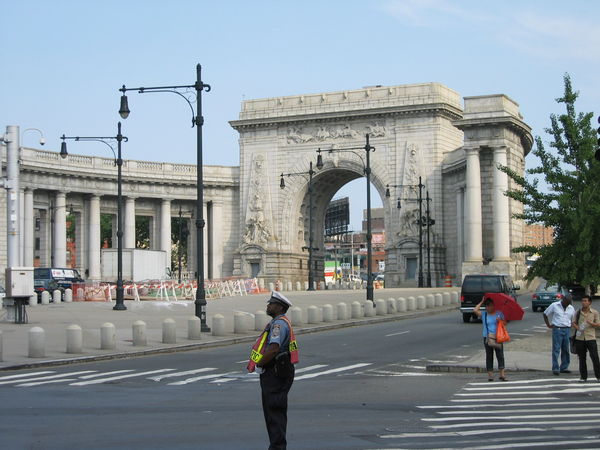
x: 90, y: 316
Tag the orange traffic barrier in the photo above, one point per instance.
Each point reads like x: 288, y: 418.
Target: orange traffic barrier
x: 448, y: 281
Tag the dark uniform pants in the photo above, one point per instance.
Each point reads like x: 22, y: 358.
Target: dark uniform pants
x: 275, y: 401
x: 582, y: 348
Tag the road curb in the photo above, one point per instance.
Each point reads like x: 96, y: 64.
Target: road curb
x: 460, y: 368
x: 223, y: 342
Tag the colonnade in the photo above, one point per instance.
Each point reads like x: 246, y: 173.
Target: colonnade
x: 500, y: 207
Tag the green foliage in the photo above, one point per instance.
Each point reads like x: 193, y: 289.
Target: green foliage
x: 572, y: 203
x: 142, y: 232
x: 106, y: 232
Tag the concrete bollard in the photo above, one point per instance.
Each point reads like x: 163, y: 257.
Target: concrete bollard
x: 356, y: 311
x: 298, y: 286
x: 261, y: 283
x: 312, y: 314
x: 411, y: 304
x: 45, y: 298
x: 57, y: 296
x: 260, y: 320
x: 194, y: 328
x: 33, y: 300
x: 68, y: 296
x: 37, y: 343
x: 447, y: 298
x: 239, y: 323
x: 421, y: 302
x: 454, y: 298
x: 108, y: 337
x: 369, y: 308
x: 306, y: 285
x: 169, y: 331
x: 439, y: 300
x: 138, y: 333
x: 327, y: 313
x: 392, y: 306
x: 401, y: 304
x: 329, y: 285
x: 271, y: 287
x: 74, y: 339
x: 289, y: 286
x: 296, y: 315
x: 321, y: 285
x: 380, y: 307
x: 80, y: 295
x: 430, y: 301
x: 342, y: 311
x: 218, y: 325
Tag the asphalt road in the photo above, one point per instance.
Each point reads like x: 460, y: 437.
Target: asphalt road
x: 355, y: 388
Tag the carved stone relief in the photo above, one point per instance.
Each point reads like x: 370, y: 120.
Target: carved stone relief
x: 297, y: 135
x: 258, y: 228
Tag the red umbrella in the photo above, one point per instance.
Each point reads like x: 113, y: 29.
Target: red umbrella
x: 507, y: 305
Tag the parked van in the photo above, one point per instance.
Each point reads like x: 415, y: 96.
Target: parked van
x: 50, y: 279
x: 474, y: 287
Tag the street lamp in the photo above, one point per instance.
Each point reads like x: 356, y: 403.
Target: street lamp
x: 367, y: 171
x: 428, y: 223
x: 120, y: 305
x: 197, y: 121
x: 310, y: 248
x: 419, y: 199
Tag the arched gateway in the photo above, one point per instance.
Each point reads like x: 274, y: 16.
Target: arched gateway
x: 419, y: 130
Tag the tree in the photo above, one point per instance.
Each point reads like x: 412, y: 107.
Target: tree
x: 571, y: 205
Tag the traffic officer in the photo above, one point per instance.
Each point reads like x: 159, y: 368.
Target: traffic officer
x: 275, y: 353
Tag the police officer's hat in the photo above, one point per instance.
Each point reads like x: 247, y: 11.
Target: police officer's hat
x: 276, y: 297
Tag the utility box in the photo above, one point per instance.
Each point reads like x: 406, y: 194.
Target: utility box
x: 19, y: 281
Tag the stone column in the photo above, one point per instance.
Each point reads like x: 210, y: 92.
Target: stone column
x: 473, y: 207
x: 21, y: 227
x: 500, y: 207
x: 94, y: 237
x: 216, y: 237
x: 460, y: 225
x: 192, y: 245
x: 59, y: 247
x: 28, y: 225
x: 165, y: 230
x: 205, y: 234
x: 129, y: 223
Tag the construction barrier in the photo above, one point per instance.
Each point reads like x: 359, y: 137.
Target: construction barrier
x: 448, y: 281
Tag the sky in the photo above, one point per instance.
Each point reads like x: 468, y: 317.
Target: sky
x: 63, y: 62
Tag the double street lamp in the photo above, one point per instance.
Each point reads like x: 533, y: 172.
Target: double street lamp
x: 197, y: 121
x: 120, y: 305
x: 367, y: 171
x: 422, y: 221
x: 311, y: 248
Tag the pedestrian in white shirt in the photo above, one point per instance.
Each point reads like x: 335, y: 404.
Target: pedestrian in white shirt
x: 559, y: 317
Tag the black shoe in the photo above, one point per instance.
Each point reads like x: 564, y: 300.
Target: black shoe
x: 556, y: 373
x: 565, y: 371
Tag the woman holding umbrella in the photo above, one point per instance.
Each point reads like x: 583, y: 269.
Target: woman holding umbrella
x: 490, y: 317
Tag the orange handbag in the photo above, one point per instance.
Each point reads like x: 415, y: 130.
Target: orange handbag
x: 501, y: 333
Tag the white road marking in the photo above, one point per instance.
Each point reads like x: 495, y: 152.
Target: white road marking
x: 539, y: 380
x: 180, y: 374
x: 536, y: 422
x: 103, y: 374
x: 505, y: 393
x: 330, y: 371
x: 512, y: 411
x: 397, y: 334
x: 309, y: 368
x: 200, y: 378
x: 511, y: 417
x: 505, y: 387
x: 491, y: 405
x: 535, y: 444
x: 24, y: 375
x: 38, y: 383
x: 50, y: 377
x: 457, y: 433
x: 475, y: 400
x: 520, y: 334
x: 118, y: 377
x: 408, y: 366
x: 223, y: 380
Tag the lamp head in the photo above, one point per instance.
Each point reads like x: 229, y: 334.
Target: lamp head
x: 124, y: 108
x: 387, y: 191
x: 42, y: 141
x: 319, y: 160
x: 282, y: 182
x: 399, y: 206
x: 63, y: 150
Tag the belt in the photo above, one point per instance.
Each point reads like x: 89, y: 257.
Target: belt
x: 561, y: 327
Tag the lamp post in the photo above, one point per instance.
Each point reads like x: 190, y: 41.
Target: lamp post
x: 120, y: 305
x: 428, y: 223
x: 198, y: 122
x: 420, y: 221
x: 311, y: 248
x: 368, y: 148
x: 179, y: 248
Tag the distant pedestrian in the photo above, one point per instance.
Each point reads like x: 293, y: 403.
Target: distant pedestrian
x: 274, y: 354
x: 587, y: 319
x: 489, y: 318
x: 559, y: 317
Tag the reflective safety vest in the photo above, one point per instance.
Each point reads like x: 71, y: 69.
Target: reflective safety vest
x: 258, y: 349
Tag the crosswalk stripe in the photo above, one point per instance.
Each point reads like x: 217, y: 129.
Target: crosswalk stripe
x: 536, y: 381
x: 103, y: 374
x: 509, y: 388
x: 330, y: 371
x: 118, y: 377
x: 24, y: 375
x: 49, y: 377
x: 39, y: 383
x: 180, y: 374
x: 478, y: 400
x: 200, y: 378
x: 512, y: 411
x: 553, y: 443
x: 309, y: 368
x: 511, y: 417
x: 491, y: 405
x: 520, y: 423
x: 494, y: 393
x: 458, y: 433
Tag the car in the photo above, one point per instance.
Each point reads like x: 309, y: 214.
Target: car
x: 52, y: 278
x: 475, y: 286
x: 2, y: 292
x: 545, y: 295
x: 577, y: 291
